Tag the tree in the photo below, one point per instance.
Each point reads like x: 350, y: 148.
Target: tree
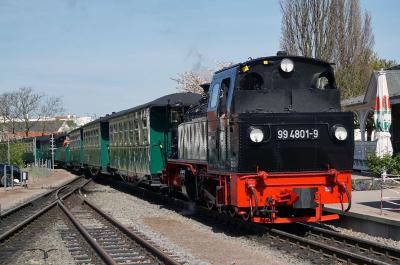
x: 28, y: 107
x: 192, y: 81
x: 50, y: 107
x: 379, y: 63
x: 331, y: 30
x: 8, y: 111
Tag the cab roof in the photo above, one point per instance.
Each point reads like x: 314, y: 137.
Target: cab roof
x: 273, y: 59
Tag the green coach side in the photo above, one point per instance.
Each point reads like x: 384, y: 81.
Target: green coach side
x: 76, y: 148
x: 141, y: 138
x: 95, y: 144
x: 62, y: 154
x: 129, y: 143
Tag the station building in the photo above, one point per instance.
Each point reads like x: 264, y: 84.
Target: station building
x: 363, y: 105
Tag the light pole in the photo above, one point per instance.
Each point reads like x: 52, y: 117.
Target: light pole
x: 8, y: 149
x: 52, y: 145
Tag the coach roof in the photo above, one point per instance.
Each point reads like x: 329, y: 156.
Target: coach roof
x: 184, y: 99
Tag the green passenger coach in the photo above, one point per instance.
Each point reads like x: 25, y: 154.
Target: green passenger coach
x: 76, y: 148
x: 132, y: 144
x: 141, y: 138
x: 95, y: 143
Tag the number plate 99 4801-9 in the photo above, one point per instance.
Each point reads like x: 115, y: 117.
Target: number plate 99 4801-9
x: 297, y: 133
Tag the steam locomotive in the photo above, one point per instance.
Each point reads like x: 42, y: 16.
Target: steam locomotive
x: 267, y: 142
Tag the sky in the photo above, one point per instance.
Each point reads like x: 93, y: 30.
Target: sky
x: 102, y: 56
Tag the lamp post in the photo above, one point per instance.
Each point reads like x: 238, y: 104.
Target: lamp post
x: 8, y: 149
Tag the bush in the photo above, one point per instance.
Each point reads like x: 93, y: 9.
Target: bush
x: 378, y: 164
x: 17, y: 152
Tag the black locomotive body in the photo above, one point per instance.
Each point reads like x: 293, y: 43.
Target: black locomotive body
x: 271, y: 131
x: 295, y: 111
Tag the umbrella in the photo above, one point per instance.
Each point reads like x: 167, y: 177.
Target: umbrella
x: 382, y: 117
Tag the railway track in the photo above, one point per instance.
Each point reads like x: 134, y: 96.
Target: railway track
x: 317, y: 244
x: 16, y: 218
x: 90, y: 235
x: 21, y: 224
x: 113, y: 242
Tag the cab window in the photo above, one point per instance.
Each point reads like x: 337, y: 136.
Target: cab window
x: 214, y: 95
x: 251, y: 81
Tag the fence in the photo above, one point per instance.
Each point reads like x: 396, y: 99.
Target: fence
x: 388, y: 182
x: 361, y: 150
x: 9, y: 178
x: 43, y: 168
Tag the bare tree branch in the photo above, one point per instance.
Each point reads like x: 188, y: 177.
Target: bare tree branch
x: 331, y: 30
x: 28, y: 106
x: 50, y: 107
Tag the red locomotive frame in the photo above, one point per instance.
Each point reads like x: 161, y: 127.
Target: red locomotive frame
x: 246, y: 192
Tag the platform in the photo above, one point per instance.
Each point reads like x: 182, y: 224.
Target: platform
x: 12, y: 197
x: 365, y: 214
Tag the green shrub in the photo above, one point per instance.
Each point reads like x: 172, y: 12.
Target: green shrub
x: 378, y: 164
x: 17, y: 152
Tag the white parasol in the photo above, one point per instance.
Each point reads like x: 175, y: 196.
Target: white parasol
x: 382, y: 117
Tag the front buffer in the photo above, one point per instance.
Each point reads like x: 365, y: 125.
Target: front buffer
x: 289, y: 197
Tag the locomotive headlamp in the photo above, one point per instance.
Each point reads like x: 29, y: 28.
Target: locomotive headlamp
x: 256, y: 135
x: 287, y: 65
x: 339, y: 132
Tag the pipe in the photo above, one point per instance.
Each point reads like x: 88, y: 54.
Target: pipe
x: 254, y: 194
x: 348, y: 197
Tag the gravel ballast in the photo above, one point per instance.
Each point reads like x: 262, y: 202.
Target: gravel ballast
x: 50, y: 241
x: 188, y: 240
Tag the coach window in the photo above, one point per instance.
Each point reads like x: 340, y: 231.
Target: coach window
x: 214, y: 96
x: 130, y: 132
x: 126, y: 133
x: 111, y: 135
x: 251, y: 81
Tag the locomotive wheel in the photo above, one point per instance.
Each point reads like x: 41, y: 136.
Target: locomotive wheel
x: 246, y: 216
x: 94, y: 172
x: 209, y: 205
x: 232, y: 211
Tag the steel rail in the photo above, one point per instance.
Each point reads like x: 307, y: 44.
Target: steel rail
x: 325, y: 248
x: 99, y: 250
x: 28, y: 220
x: 33, y: 200
x: 378, y: 248
x: 158, y: 253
